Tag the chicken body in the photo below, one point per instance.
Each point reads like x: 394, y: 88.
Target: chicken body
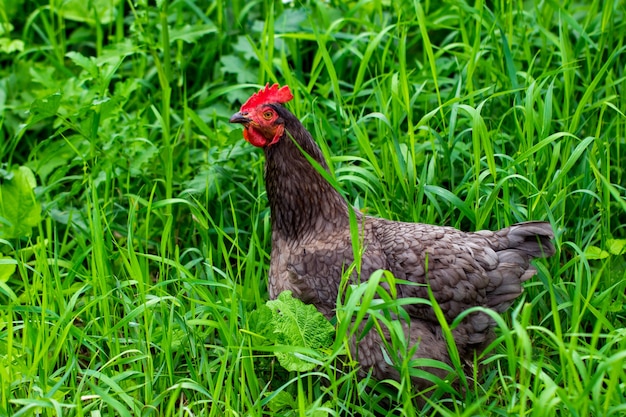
x: 312, y: 247
x: 464, y: 270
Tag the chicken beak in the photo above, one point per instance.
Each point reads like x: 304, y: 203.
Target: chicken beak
x: 239, y: 118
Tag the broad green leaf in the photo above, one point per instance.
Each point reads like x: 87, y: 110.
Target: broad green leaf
x: 9, y: 46
x: 56, y: 157
x: 244, y: 49
x: 299, y: 325
x: 44, y: 107
x: 290, y: 20
x: 6, y: 28
x: 234, y: 65
x: 19, y: 211
x: 594, y: 252
x: 616, y: 246
x: 86, y: 63
x: 7, y: 268
x: 260, y: 323
x: 282, y: 401
x: 191, y: 34
x: 91, y: 12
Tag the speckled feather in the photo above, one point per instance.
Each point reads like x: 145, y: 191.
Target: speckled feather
x: 311, y: 247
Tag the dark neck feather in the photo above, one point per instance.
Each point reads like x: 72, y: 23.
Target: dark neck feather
x: 301, y: 200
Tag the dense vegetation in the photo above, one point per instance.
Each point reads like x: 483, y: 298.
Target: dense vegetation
x: 134, y: 230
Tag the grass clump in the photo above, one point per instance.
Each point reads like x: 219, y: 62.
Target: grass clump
x: 136, y: 289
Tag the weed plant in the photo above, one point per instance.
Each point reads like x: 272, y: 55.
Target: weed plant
x: 135, y: 231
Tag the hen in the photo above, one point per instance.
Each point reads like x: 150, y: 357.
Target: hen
x: 311, y: 246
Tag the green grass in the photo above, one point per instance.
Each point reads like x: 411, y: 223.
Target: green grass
x: 133, y: 293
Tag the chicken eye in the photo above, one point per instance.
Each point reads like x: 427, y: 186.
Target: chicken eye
x: 267, y: 115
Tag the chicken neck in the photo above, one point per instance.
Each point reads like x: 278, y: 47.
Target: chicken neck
x: 302, y: 202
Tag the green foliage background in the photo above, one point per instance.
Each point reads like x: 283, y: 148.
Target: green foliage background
x: 132, y: 292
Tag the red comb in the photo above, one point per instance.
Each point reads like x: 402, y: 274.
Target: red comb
x: 272, y: 94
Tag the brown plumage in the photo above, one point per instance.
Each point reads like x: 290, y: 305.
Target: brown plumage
x: 311, y: 246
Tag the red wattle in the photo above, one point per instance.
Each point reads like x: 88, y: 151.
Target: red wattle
x: 254, y: 137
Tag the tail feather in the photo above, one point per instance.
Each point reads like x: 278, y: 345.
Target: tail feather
x: 516, y: 246
x: 532, y: 238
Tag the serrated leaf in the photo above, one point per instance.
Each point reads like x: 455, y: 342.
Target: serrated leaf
x: 299, y: 325
x: 19, y: 211
x: 245, y: 49
x: 616, y: 246
x: 594, y: 252
x: 234, y: 65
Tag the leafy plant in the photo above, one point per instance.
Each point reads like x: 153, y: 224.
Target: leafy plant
x: 289, y: 323
x: 19, y: 209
